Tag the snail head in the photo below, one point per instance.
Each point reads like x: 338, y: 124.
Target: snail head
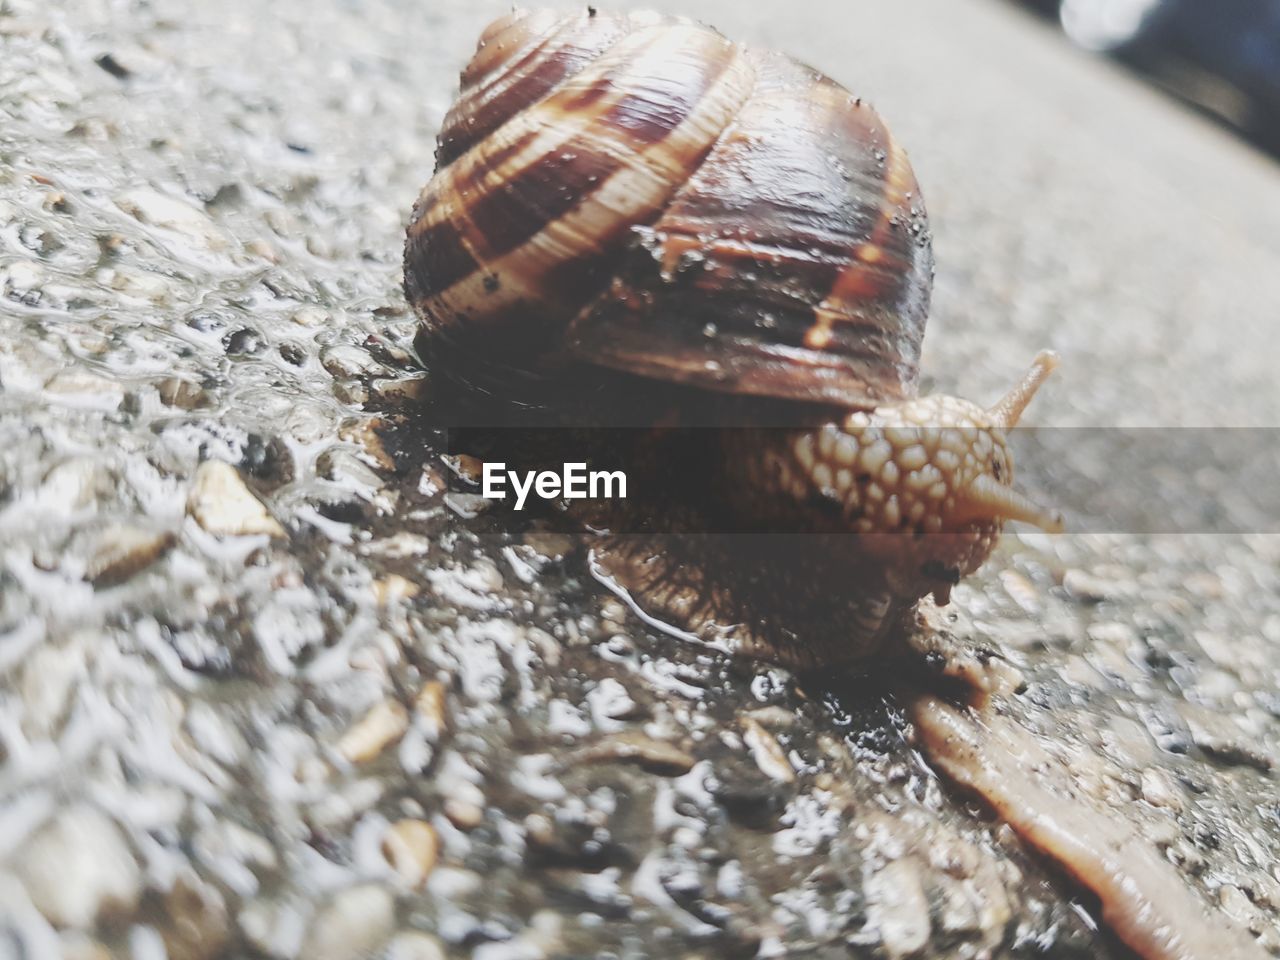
x: 928, y: 482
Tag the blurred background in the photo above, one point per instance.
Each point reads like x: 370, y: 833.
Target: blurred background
x: 1222, y: 56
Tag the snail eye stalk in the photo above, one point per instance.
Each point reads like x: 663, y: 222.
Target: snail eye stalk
x: 1009, y: 410
x: 987, y: 499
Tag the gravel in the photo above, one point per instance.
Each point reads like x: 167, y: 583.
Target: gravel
x: 264, y: 694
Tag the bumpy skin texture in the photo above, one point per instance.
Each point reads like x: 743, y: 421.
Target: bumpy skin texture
x: 807, y: 602
x: 636, y: 192
x: 889, y: 505
x: 925, y: 484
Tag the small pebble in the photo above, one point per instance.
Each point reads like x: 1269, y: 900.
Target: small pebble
x: 364, y: 433
x: 345, y: 361
x: 1235, y: 903
x: 398, y: 547
x: 74, y: 484
x: 468, y: 506
x: 411, y: 847
x: 123, y: 551
x: 20, y: 276
x: 142, y: 286
x: 415, y: 946
x: 463, y: 814
x: 273, y: 928
x: 158, y: 210
x: 553, y: 546
x: 431, y: 706
x: 1221, y: 738
x: 195, y: 925
x: 393, y: 588
x: 381, y: 726
x: 222, y: 504
x: 262, y: 249
x: 402, y: 390
x: 184, y: 394
x: 611, y: 701
x: 773, y: 717
x: 656, y: 756
x: 1159, y: 791
x: 309, y: 315
x: 898, y: 909
x: 1087, y: 587
x: 78, y: 946
x: 352, y: 926
x: 76, y: 388
x: 78, y: 870
x: 1112, y: 632
x: 345, y: 468
x: 1021, y: 590
x: 768, y: 753
x: 465, y: 466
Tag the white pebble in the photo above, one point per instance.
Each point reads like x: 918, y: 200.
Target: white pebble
x: 78, y: 869
x: 352, y: 926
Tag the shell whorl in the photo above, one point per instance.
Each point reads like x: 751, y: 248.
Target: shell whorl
x: 662, y: 200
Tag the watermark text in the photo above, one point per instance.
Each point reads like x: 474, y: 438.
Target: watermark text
x: 573, y: 482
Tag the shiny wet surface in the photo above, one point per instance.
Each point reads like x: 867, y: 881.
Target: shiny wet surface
x: 212, y: 723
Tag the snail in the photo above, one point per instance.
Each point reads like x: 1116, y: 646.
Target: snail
x: 632, y: 207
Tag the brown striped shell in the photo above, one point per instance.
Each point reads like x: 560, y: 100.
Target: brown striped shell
x: 644, y: 193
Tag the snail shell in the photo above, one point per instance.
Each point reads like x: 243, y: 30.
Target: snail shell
x: 644, y: 193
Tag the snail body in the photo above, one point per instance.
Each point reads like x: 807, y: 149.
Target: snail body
x: 635, y: 203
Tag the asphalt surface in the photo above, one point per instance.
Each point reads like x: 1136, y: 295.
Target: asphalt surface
x: 264, y: 694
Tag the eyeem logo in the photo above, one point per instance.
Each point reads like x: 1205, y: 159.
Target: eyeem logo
x: 573, y: 482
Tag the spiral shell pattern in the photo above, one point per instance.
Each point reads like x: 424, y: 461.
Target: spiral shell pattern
x: 644, y: 193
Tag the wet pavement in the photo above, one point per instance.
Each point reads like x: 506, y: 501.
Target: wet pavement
x: 266, y: 694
